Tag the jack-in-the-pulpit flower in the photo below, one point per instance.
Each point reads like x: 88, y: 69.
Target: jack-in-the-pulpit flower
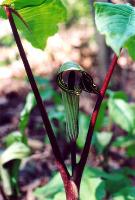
x: 72, y: 79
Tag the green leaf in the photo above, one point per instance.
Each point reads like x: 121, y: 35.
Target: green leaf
x: 9, y: 166
x: 60, y: 195
x: 92, y: 189
x: 42, y: 18
x: 6, y: 183
x: 19, y: 4
x: 121, y: 114
x: 102, y: 139
x: 132, y: 106
x: 127, y: 142
x: 117, y: 23
x: 101, y: 115
x: 12, y: 137
x: 118, y: 179
x: 17, y: 150
x: 50, y: 189
x: 25, y: 114
x: 131, y: 150
x: 120, y: 95
x: 94, y: 183
x: 127, y: 193
x: 54, y: 190
x: 83, y: 129
x: 47, y: 92
x: 57, y: 113
x: 115, y: 180
x: 124, y: 141
x: 115, y: 186
x: 117, y: 95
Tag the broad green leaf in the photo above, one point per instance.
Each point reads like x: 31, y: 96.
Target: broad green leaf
x: 114, y: 176
x: 102, y: 139
x: 101, y: 116
x: 57, y: 113
x: 42, y: 18
x: 60, y: 195
x: 92, y: 189
x: 132, y: 106
x: 51, y: 189
x: 128, y: 171
x: 127, y: 142
x: 115, y: 180
x: 117, y: 23
x: 114, y: 186
x: 17, y: 150
x: 83, y: 129
x: 93, y: 185
x: 19, y: 4
x: 117, y: 95
x: 54, y: 189
x: 12, y: 137
x: 124, y: 141
x: 25, y: 114
x: 127, y: 193
x: 14, y: 174
x: 46, y: 92
x: 131, y: 150
x: 9, y: 166
x: 120, y: 95
x: 8, y: 42
x: 121, y: 114
x: 6, y: 183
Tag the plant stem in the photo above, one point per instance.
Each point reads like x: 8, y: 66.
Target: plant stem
x: 2, y: 193
x: 73, y: 156
x: 13, y: 197
x: 46, y: 121
x: 80, y: 167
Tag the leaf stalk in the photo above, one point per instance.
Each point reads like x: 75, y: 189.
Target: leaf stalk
x: 80, y: 166
x: 59, y: 160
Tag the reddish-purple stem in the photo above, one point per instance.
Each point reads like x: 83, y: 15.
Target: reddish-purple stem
x: 3, y: 194
x: 73, y: 156
x: 46, y: 121
x: 80, y: 167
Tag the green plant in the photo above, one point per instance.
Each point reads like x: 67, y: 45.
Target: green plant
x: 96, y: 184
x: 10, y: 159
x: 76, y: 10
x: 30, y: 17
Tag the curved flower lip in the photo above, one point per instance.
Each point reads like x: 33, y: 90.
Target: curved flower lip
x: 85, y: 81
